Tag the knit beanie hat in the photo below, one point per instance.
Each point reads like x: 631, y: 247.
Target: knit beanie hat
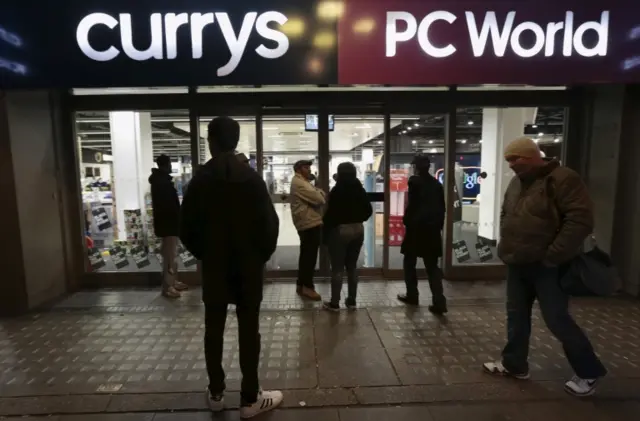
x: 523, y: 147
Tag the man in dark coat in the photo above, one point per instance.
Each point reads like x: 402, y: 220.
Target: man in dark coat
x: 229, y: 223
x: 166, y: 223
x: 424, y: 220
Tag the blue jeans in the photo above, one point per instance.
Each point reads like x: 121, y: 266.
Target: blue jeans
x: 525, y: 283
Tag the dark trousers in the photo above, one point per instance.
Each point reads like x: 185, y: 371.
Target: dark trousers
x: 249, y: 343
x: 309, y: 245
x: 344, y: 244
x: 525, y: 283
x: 435, y: 278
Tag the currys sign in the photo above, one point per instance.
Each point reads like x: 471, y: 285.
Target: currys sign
x: 164, y: 29
x: 491, y: 37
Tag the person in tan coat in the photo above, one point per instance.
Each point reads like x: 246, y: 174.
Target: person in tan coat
x: 546, y: 216
x: 307, y: 204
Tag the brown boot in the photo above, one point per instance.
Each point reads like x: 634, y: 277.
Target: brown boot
x: 310, y: 294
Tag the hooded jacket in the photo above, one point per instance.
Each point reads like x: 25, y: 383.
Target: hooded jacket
x: 545, y: 217
x: 228, y: 221
x: 166, y: 205
x: 347, y: 204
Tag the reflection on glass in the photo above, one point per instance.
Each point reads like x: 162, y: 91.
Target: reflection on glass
x: 359, y: 139
x: 482, y: 175
x: 117, y: 151
x: 410, y: 135
x: 286, y: 141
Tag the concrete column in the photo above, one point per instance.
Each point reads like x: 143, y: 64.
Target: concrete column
x: 499, y: 127
x: 35, y: 256
x: 132, y: 150
x: 612, y: 176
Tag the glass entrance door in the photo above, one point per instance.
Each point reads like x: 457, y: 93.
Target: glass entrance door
x: 285, y: 140
x: 359, y: 139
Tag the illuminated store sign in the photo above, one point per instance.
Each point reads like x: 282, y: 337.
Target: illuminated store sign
x: 164, y: 33
x: 493, y: 37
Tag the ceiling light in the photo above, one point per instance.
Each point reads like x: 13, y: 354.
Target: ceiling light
x: 416, y: 124
x: 541, y: 134
x: 535, y: 140
x: 379, y: 142
x: 480, y: 141
x: 409, y: 128
x: 470, y: 122
x: 463, y: 141
x: 434, y: 150
x: 270, y: 128
x: 535, y: 126
x: 414, y: 141
x: 404, y: 132
x: 556, y: 140
x: 431, y: 142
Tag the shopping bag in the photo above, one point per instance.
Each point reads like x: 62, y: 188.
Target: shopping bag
x: 590, y: 274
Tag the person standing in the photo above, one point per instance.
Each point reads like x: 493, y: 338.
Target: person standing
x: 347, y: 208
x: 166, y: 224
x: 229, y: 223
x: 423, y: 220
x: 546, y: 216
x: 307, y: 203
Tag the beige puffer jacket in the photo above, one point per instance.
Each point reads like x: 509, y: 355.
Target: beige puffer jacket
x: 307, y: 204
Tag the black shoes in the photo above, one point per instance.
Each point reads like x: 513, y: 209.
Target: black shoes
x: 438, y: 310
x: 408, y: 300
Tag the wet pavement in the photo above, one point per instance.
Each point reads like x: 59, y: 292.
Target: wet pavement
x: 127, y: 355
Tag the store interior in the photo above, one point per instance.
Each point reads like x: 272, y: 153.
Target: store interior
x: 116, y: 152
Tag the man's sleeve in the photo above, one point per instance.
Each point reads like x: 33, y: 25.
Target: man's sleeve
x: 191, y: 220
x: 576, y: 219
x: 310, y: 194
x: 269, y: 223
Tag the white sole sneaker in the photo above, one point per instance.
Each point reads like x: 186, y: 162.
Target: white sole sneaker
x: 581, y: 388
x: 215, y: 403
x: 497, y: 369
x: 267, y: 400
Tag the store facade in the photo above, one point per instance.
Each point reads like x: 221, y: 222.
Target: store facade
x: 111, y: 86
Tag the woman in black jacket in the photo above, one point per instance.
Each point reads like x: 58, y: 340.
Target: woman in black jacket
x: 347, y: 208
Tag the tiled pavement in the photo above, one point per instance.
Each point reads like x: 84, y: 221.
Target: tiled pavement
x: 118, y: 352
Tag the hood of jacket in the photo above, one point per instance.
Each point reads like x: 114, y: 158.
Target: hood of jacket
x: 158, y: 176
x: 225, y: 167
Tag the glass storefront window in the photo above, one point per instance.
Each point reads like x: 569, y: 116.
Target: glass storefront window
x: 410, y: 135
x: 285, y: 141
x: 360, y: 140
x: 482, y: 175
x: 116, y: 152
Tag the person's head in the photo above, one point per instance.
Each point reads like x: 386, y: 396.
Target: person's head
x: 421, y: 164
x: 223, y: 135
x: 164, y: 163
x: 346, y: 172
x: 523, y: 156
x: 303, y: 168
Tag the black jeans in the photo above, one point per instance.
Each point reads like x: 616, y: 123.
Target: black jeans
x: 345, y: 242
x: 309, y: 245
x: 435, y: 279
x: 525, y: 283
x: 249, y: 343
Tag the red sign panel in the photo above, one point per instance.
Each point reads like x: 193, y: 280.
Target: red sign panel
x: 413, y: 42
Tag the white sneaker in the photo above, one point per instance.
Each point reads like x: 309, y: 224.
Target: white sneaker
x: 215, y: 403
x: 498, y: 369
x: 267, y: 400
x: 581, y: 387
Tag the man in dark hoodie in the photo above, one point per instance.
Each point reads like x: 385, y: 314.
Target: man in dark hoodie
x: 424, y: 220
x: 229, y: 223
x: 166, y: 223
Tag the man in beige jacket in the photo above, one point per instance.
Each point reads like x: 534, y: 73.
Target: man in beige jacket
x: 307, y: 203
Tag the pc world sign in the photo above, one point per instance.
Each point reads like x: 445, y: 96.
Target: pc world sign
x: 489, y: 36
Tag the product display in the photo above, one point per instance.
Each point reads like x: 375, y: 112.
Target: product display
x: 461, y: 251
x: 134, y: 226
x: 95, y: 259
x: 140, y: 257
x: 484, y: 252
x: 119, y: 257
